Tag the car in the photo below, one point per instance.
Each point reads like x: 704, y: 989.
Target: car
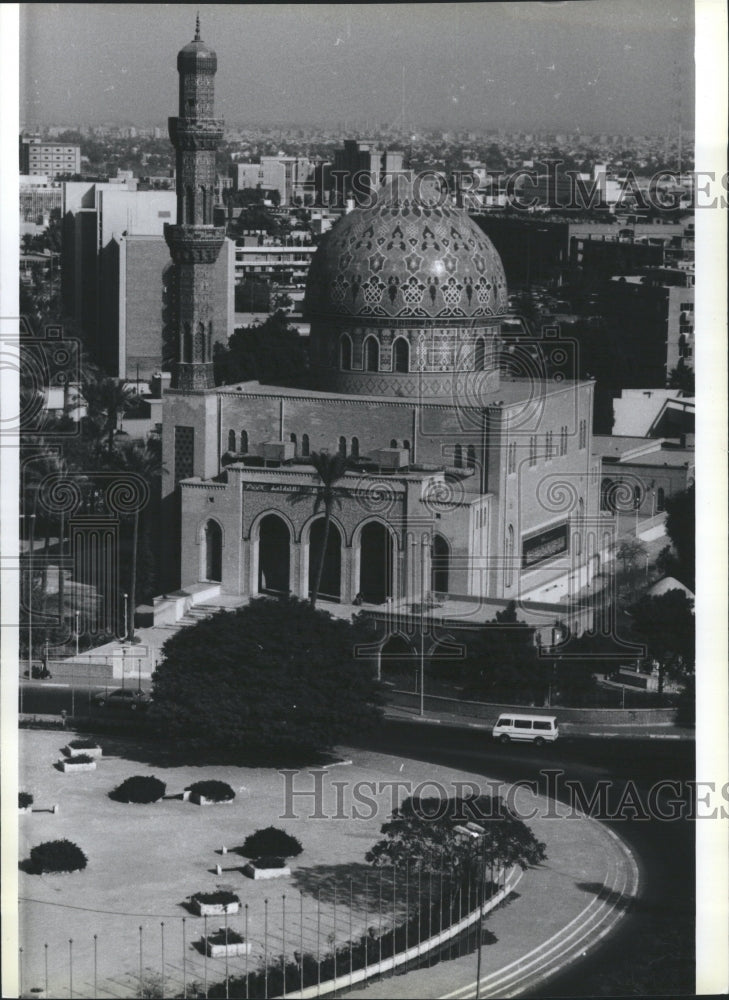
x: 122, y: 698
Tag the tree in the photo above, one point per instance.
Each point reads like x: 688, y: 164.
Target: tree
x: 422, y: 832
x: 106, y: 400
x: 330, y: 469
x: 683, y: 378
x: 500, y: 662
x: 667, y: 626
x: 681, y: 529
x: 274, y: 675
x: 630, y: 551
x: 271, y: 351
x: 144, y: 462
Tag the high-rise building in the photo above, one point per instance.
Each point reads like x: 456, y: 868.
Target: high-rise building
x: 195, y: 242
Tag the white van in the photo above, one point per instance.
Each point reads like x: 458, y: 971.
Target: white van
x: 537, y: 729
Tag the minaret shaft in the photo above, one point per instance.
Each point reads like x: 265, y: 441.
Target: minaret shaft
x: 194, y: 241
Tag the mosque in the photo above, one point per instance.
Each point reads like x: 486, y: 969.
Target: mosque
x: 470, y: 479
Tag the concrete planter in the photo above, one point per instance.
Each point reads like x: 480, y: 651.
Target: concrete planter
x: 215, y: 909
x: 89, y: 751
x: 229, y: 950
x: 258, y: 873
x: 69, y: 766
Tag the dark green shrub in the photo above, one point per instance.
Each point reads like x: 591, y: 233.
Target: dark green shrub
x: 217, y: 791
x: 57, y: 856
x: 220, y: 896
x: 140, y: 788
x: 82, y: 745
x: 25, y: 799
x: 270, y: 841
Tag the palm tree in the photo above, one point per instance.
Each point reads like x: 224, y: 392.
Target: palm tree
x: 145, y: 462
x: 329, y: 469
x: 107, y: 399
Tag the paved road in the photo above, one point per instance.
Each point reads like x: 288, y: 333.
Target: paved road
x: 649, y: 940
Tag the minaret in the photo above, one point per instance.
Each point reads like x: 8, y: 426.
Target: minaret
x: 194, y: 241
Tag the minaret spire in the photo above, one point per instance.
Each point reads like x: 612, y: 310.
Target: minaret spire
x: 197, y: 27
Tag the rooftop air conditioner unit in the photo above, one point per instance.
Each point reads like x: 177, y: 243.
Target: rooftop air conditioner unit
x: 279, y: 451
x: 391, y: 458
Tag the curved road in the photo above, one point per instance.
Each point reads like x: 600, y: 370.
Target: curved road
x: 651, y: 950
x: 653, y: 945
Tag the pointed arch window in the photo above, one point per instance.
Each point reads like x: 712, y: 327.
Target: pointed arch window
x: 509, y: 557
x: 292, y: 438
x: 343, y: 447
x: 345, y: 353
x: 372, y: 354
x: 305, y: 445
x: 231, y: 440
x: 355, y: 447
x: 401, y: 355
x: 244, y: 442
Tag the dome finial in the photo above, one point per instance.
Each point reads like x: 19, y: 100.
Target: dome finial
x: 197, y: 27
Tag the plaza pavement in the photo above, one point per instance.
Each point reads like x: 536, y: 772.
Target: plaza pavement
x: 144, y: 861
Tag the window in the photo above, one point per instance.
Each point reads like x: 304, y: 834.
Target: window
x: 458, y: 457
x: 372, y: 354
x: 509, y: 561
x: 406, y: 444
x: 355, y: 447
x: 305, y: 445
x: 637, y: 497
x: 292, y: 438
x: 345, y: 353
x: 504, y: 722
x: 471, y: 457
x: 480, y: 355
x: 533, y: 450
x: 244, y: 442
x: 543, y: 725
x: 231, y: 440
x: 343, y: 447
x: 522, y: 723
x: 401, y: 355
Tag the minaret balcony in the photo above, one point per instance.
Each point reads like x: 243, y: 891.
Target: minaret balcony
x: 196, y: 133
x: 194, y: 244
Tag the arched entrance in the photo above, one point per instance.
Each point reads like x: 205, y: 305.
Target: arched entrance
x: 440, y: 565
x: 213, y: 552
x: 376, y: 563
x: 331, y: 574
x: 397, y: 661
x: 273, y: 555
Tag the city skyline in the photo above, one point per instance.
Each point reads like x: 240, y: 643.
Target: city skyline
x: 572, y: 66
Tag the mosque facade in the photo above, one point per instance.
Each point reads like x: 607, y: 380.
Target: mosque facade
x: 470, y: 474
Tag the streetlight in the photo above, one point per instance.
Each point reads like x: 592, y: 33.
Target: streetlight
x: 126, y: 614
x: 423, y: 544
x: 78, y: 613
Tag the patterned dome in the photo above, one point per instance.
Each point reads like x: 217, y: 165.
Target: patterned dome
x: 410, y: 256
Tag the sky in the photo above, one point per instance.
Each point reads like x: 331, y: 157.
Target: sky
x: 592, y: 65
